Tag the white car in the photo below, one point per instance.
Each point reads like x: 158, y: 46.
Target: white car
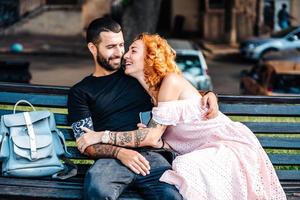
x: 257, y: 48
x: 192, y: 64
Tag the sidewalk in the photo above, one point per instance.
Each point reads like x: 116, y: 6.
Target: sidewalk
x: 221, y: 49
x: 34, y: 44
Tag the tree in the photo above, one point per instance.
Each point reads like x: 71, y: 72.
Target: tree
x: 139, y: 16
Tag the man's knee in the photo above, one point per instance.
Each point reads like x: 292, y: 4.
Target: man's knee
x: 92, y: 193
x: 95, y: 188
x: 170, y: 193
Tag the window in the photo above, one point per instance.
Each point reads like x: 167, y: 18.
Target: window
x: 216, y: 4
x: 189, y: 63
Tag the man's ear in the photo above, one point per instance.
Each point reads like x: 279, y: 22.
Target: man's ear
x: 92, y: 48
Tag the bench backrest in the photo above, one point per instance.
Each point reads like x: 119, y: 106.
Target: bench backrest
x: 275, y: 120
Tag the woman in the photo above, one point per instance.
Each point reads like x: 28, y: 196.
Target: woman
x: 218, y: 158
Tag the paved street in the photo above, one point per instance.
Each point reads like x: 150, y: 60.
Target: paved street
x: 66, y: 70
x: 225, y: 72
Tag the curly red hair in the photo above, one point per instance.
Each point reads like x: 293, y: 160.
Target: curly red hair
x: 159, y: 59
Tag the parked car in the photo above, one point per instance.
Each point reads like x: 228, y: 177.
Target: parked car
x: 192, y: 63
x: 257, y: 48
x: 272, y: 78
x: 288, y: 55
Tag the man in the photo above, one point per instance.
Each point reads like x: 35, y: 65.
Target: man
x: 110, y: 100
x: 284, y: 18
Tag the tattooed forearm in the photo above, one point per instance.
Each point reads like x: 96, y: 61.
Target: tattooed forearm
x: 140, y: 136
x: 124, y: 138
x: 102, y: 151
x: 153, y: 124
x: 128, y: 138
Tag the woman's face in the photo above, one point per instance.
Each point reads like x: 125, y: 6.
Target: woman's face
x: 134, y: 59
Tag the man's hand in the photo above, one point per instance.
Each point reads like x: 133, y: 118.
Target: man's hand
x: 89, y: 138
x: 134, y: 161
x: 210, y: 101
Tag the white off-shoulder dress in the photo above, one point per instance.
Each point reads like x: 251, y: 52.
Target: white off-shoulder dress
x: 218, y: 159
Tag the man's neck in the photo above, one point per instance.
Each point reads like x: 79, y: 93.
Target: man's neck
x: 99, y: 71
x: 153, y: 94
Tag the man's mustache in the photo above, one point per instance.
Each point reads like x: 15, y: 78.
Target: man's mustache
x: 115, y: 57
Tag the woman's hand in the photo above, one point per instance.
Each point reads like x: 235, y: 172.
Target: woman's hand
x: 141, y: 126
x: 134, y: 161
x: 89, y: 138
x: 210, y: 100
x: 159, y: 144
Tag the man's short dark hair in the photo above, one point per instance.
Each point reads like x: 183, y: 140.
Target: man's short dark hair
x: 283, y: 5
x: 102, y: 24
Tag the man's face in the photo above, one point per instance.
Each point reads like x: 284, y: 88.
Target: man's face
x: 110, y: 50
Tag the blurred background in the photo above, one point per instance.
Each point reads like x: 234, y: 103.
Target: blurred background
x: 228, y: 46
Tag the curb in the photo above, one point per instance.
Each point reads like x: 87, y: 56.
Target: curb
x: 48, y: 53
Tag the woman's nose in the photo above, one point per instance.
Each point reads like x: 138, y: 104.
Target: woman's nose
x: 126, y: 55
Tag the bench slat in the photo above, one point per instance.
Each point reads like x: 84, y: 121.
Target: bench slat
x: 289, y: 175
x: 285, y: 159
x: 280, y: 143
x: 68, y: 133
x: 33, y: 88
x: 34, y: 99
x: 75, y: 153
x: 260, y: 110
x: 55, y: 189
x: 258, y: 99
x: 273, y: 127
x: 38, y: 188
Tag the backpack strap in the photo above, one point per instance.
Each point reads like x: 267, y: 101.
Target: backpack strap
x: 70, y: 169
x: 32, y: 140
x: 23, y: 101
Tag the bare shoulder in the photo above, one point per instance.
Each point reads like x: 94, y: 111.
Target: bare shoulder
x: 172, y: 79
x: 171, y: 87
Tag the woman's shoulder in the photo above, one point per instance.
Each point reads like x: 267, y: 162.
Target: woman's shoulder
x: 172, y: 79
x: 171, y: 87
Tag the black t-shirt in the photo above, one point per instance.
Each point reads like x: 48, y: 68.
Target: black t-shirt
x: 110, y: 102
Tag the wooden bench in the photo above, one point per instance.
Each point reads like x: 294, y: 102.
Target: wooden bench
x: 255, y: 111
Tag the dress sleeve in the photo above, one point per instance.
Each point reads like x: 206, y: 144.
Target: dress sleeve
x: 165, y: 114
x: 175, y: 112
x: 79, y: 114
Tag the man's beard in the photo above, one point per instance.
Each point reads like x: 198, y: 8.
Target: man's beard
x: 104, y: 63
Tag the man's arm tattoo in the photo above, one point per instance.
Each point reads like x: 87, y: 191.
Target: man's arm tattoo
x: 132, y: 138
x: 153, y: 124
x: 124, y: 138
x: 128, y: 138
x: 103, y: 151
x: 140, y: 136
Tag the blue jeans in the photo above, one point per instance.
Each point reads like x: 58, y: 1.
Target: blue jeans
x: 108, y: 178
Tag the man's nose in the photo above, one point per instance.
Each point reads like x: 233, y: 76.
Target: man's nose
x: 119, y: 51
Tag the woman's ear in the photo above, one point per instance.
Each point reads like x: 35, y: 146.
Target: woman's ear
x: 92, y: 48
